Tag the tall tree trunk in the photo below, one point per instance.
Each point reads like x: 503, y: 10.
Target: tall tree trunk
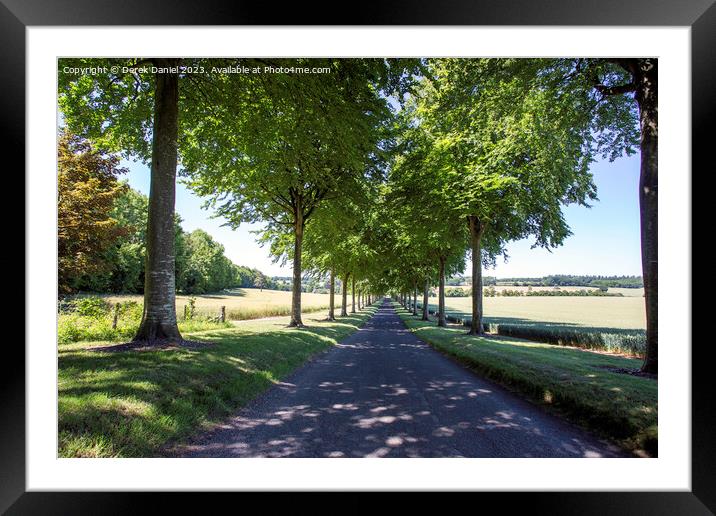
x: 647, y: 96
x: 426, y: 298
x: 353, y: 295
x: 332, y: 298
x: 415, y: 297
x: 159, y: 321
x: 297, y: 248
x: 476, y: 229
x: 441, y: 294
x: 344, y: 302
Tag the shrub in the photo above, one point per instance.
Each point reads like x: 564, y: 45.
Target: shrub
x: 457, y: 292
x: 91, y: 306
x: 489, y: 292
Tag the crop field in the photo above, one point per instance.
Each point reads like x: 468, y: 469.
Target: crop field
x: 613, y: 324
x: 242, y: 303
x: 603, y: 312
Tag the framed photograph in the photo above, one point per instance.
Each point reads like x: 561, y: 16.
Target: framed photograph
x: 251, y: 239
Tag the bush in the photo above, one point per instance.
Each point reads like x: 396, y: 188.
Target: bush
x: 457, y: 292
x: 91, y: 306
x: 511, y: 293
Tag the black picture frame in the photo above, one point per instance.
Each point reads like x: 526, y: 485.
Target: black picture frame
x: 700, y: 15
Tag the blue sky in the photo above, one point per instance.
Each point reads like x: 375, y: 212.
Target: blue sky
x: 605, y: 237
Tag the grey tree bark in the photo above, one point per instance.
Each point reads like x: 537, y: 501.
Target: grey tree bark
x: 159, y: 322
x: 441, y: 294
x: 476, y: 230
x: 332, y: 298
x: 344, y: 302
x: 426, y: 297
x: 647, y: 97
x: 298, y: 228
x: 644, y: 84
x: 353, y: 295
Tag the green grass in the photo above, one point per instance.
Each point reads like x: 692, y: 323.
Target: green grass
x: 134, y: 404
x: 573, y: 382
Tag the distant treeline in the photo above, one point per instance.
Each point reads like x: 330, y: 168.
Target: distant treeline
x: 118, y: 266
x: 567, y: 280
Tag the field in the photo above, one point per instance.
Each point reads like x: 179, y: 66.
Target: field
x: 134, y: 404
x: 242, y: 303
x: 584, y: 386
x: 603, y: 312
x: 612, y: 324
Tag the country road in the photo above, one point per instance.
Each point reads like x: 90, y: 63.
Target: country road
x: 384, y: 393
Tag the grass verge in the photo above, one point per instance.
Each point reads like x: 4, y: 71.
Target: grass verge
x: 576, y: 383
x: 132, y: 404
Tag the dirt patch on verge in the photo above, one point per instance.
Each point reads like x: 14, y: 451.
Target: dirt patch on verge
x: 152, y: 346
x: 633, y: 372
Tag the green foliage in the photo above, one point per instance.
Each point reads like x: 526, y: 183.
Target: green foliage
x: 191, y: 307
x: 200, y: 265
x: 91, y: 306
x: 86, y: 230
x: 570, y: 280
x: 603, y: 291
x: 457, y: 292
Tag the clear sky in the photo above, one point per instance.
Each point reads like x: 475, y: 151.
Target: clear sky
x: 605, y: 238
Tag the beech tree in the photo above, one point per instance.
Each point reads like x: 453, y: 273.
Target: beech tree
x: 131, y: 106
x: 283, y: 144
x: 87, y: 189
x: 642, y: 82
x: 509, y: 157
x: 617, y: 100
x: 424, y: 214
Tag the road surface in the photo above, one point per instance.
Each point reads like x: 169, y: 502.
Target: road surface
x: 382, y: 392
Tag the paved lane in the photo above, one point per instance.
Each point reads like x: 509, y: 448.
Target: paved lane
x: 384, y: 393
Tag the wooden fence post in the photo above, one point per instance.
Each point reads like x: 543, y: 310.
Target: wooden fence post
x: 116, y: 316
x: 186, y: 311
x: 222, y: 317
